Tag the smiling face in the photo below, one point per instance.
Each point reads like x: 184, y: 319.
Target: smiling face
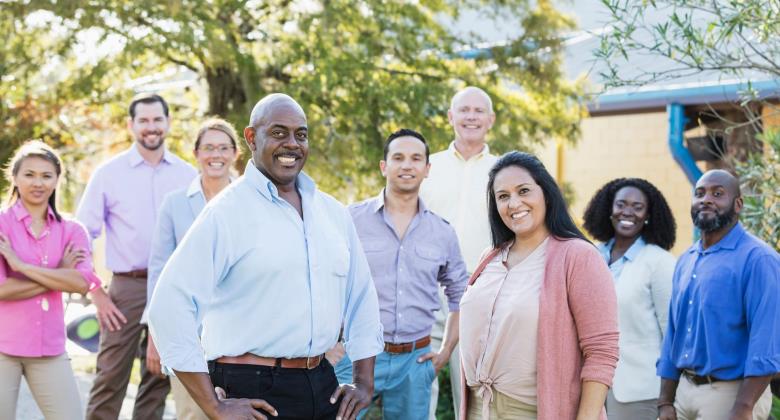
x: 520, y: 202
x: 215, y: 154
x: 280, y: 143
x: 149, y: 126
x: 629, y: 212
x: 406, y: 165
x: 471, y: 116
x: 35, y: 181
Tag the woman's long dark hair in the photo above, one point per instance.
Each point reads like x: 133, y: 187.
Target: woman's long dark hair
x: 557, y: 219
x: 30, y: 149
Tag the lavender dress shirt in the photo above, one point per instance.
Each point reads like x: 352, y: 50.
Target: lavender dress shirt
x: 125, y: 194
x: 407, y: 272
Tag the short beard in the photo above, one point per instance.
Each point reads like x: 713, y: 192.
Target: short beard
x: 716, y: 223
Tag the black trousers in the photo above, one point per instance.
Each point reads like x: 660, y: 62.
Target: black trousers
x: 296, y: 394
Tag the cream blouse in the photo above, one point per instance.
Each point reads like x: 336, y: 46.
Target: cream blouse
x: 502, y: 357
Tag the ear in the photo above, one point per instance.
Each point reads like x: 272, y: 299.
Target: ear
x: 492, y: 120
x: 449, y: 116
x: 427, y: 170
x: 738, y: 204
x: 382, y: 167
x: 129, y: 123
x: 249, y: 136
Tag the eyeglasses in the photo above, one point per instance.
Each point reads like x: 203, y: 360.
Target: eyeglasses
x: 224, y: 149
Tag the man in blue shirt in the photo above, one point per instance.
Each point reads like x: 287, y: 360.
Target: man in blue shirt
x: 411, y: 252
x: 723, y: 316
x: 272, y: 268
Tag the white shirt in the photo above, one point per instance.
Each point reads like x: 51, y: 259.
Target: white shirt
x: 456, y: 189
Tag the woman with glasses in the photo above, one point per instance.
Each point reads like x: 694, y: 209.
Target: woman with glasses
x: 215, y: 151
x: 42, y: 255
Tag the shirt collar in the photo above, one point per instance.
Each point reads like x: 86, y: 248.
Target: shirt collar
x: 261, y: 183
x: 21, y: 213
x: 195, y: 187
x: 136, y: 158
x: 727, y: 242
x: 484, y: 152
x: 631, y: 252
x: 378, y: 203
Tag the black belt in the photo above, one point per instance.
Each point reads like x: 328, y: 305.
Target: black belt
x: 699, y: 379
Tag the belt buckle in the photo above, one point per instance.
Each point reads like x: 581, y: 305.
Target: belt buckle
x: 308, y: 359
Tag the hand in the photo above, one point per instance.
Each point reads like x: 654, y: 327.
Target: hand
x: 240, y: 409
x: 108, y: 315
x: 72, y: 257
x: 335, y: 354
x: 354, y: 397
x: 14, y: 263
x: 741, y: 413
x: 667, y: 412
x: 439, y: 360
x: 152, y: 358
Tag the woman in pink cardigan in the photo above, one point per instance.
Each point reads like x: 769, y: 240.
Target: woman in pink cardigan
x: 538, y: 329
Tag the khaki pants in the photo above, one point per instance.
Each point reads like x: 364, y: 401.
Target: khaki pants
x: 118, y: 349
x: 186, y: 407
x: 503, y: 407
x: 51, y: 382
x: 436, y: 338
x: 714, y: 401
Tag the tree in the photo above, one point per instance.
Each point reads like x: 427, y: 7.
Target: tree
x: 359, y: 68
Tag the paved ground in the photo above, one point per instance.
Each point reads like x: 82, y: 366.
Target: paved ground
x: 82, y: 361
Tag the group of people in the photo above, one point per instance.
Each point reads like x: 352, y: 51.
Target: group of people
x: 263, y: 297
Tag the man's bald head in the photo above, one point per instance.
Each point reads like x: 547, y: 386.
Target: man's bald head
x: 723, y: 178
x: 272, y: 101
x: 471, y: 91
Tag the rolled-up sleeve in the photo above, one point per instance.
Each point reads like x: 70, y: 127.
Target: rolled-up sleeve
x: 185, y: 287
x: 163, y: 245
x: 362, y: 327
x: 454, y: 276
x: 91, y: 210
x: 763, y: 316
x: 593, y: 305
x: 80, y: 240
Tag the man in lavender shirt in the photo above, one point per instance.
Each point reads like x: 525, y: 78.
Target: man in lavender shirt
x: 411, y: 252
x: 124, y: 194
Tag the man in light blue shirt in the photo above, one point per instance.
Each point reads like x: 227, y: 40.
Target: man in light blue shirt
x: 272, y: 268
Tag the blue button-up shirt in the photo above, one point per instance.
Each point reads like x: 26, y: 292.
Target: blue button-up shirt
x: 617, y: 266
x: 407, y: 272
x: 724, y: 315
x: 263, y: 280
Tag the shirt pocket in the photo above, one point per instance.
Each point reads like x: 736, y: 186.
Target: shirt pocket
x: 428, y: 262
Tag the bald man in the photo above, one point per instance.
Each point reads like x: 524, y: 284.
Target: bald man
x: 455, y: 190
x: 272, y: 268
x: 722, y: 336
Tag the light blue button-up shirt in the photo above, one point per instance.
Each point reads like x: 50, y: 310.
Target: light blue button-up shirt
x: 262, y: 280
x: 617, y: 266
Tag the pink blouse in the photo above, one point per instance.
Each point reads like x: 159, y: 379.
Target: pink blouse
x: 35, y: 327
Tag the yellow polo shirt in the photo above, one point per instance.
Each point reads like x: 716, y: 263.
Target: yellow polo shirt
x: 456, y: 189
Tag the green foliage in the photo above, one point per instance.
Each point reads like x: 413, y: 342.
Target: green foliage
x: 760, y: 176
x: 360, y: 69
x: 734, y: 37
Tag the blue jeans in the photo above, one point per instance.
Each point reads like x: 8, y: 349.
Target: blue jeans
x: 403, y: 384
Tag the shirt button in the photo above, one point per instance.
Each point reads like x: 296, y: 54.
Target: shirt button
x: 694, y: 276
x: 400, y: 270
x: 401, y: 247
x: 400, y: 315
x: 400, y: 292
x: 689, y: 330
x: 686, y: 355
x: 690, y: 302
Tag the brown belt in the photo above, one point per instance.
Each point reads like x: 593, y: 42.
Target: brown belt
x: 136, y: 274
x: 295, y: 363
x: 407, y: 347
x: 699, y: 379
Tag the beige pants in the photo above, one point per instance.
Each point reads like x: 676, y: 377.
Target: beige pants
x: 51, y: 382
x: 714, y: 401
x: 186, y: 407
x: 503, y: 407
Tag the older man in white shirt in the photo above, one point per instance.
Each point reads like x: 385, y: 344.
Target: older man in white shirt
x: 455, y: 190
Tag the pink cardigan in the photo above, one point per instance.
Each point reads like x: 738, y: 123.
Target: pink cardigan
x: 578, y: 334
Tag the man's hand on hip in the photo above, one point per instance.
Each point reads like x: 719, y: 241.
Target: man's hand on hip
x: 354, y: 397
x: 439, y: 359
